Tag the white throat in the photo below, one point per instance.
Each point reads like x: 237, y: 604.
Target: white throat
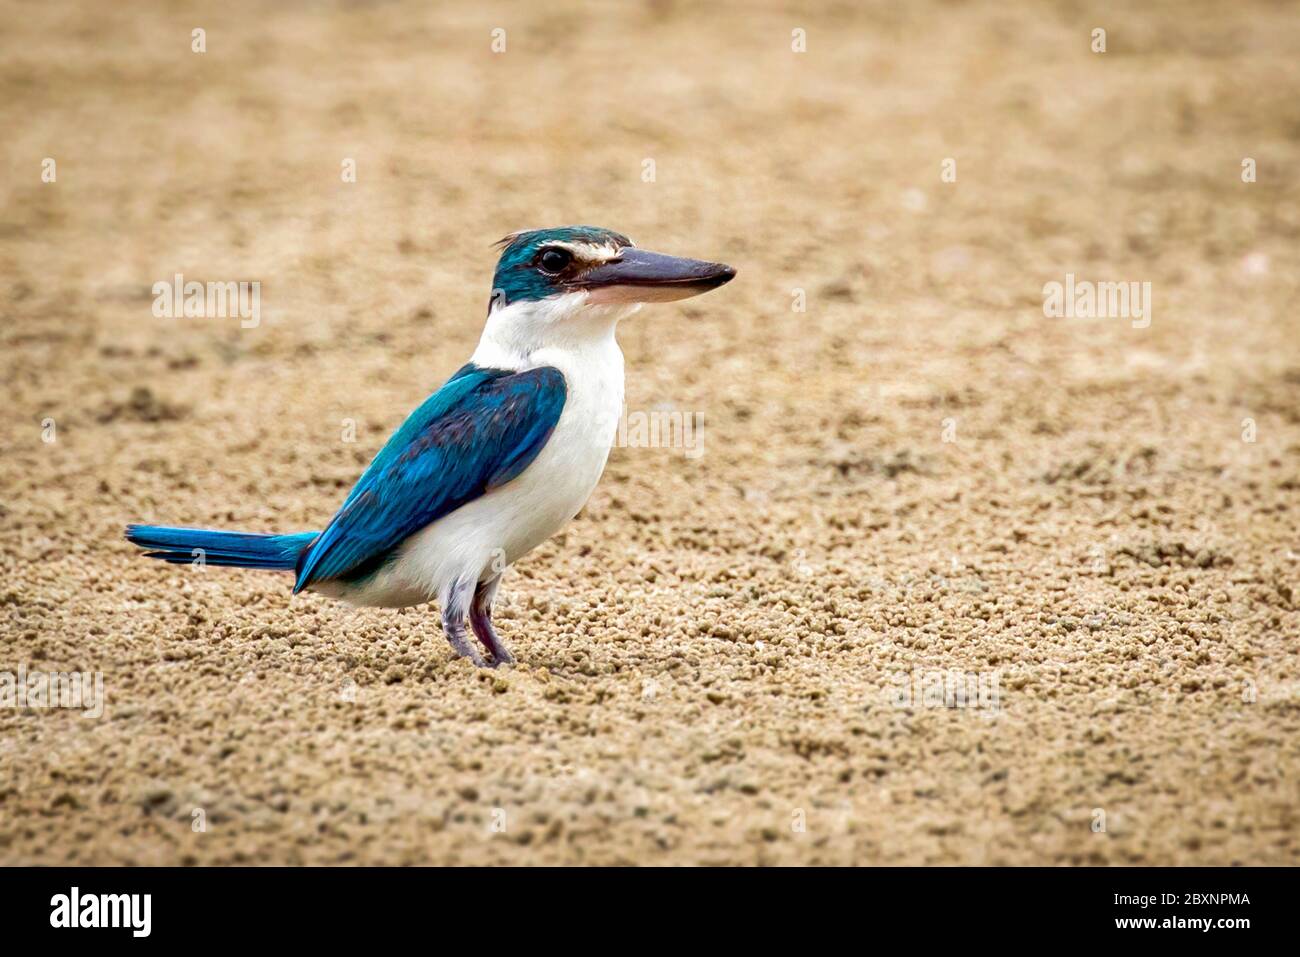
x: 559, y: 331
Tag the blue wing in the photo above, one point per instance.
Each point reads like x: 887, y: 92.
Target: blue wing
x: 477, y: 432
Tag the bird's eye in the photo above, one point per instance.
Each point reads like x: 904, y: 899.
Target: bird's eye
x: 554, y: 260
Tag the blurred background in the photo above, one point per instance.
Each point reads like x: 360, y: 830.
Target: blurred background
x: 907, y: 467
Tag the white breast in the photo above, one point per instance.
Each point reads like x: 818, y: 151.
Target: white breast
x: 480, y: 539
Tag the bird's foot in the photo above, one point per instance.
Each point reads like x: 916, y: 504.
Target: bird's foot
x: 480, y: 619
x: 453, y: 625
x: 463, y: 649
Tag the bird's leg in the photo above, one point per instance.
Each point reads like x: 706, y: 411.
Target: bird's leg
x: 455, y: 604
x: 480, y: 619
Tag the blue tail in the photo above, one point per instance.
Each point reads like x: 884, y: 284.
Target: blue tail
x: 183, y: 546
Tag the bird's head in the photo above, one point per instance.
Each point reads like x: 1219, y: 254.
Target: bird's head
x: 600, y: 265
x: 582, y: 276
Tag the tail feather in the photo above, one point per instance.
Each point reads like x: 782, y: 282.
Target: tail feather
x: 183, y: 546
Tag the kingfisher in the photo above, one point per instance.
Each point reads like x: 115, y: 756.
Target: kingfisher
x: 497, y: 460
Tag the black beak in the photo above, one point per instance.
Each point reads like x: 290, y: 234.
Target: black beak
x: 638, y: 275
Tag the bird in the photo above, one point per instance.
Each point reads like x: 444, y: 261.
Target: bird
x: 496, y: 461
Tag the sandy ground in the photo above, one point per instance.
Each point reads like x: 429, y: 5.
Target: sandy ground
x: 918, y: 474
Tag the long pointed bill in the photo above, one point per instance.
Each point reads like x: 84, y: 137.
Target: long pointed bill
x: 638, y: 275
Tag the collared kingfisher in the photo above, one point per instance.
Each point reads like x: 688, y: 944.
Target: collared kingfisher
x: 496, y: 461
